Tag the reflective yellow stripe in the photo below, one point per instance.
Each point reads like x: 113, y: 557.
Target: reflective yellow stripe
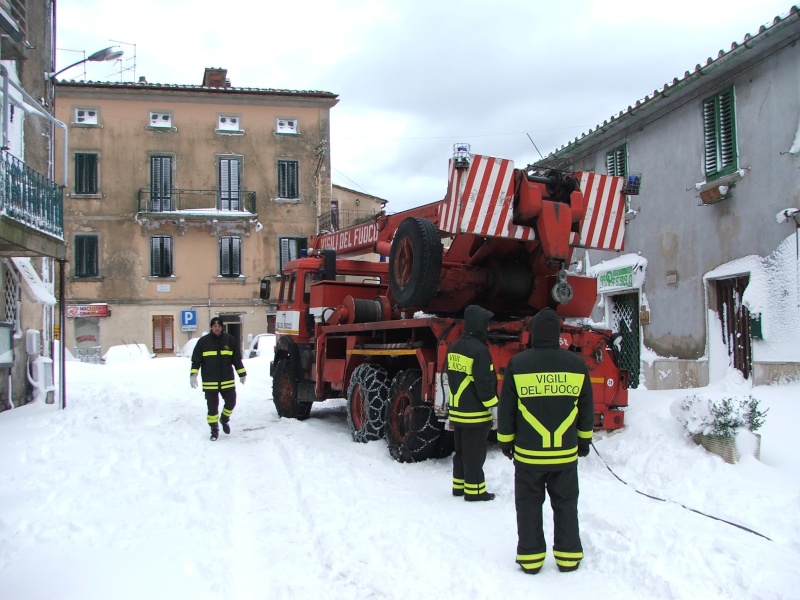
x: 460, y: 363
x: 531, y: 561
x: 493, y: 401
x: 586, y: 435
x: 560, y: 554
x: 505, y: 437
x: 558, y: 436
x: 212, y: 418
x: 546, y: 461
x: 562, y: 452
x: 226, y: 352
x: 240, y: 371
x: 455, y: 398
x: 462, y: 417
x: 194, y: 371
x: 534, y: 422
x: 210, y: 353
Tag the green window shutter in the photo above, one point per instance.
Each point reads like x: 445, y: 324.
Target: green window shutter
x: 288, y: 183
x: 160, y: 183
x: 230, y: 256
x: 617, y: 161
x: 85, y: 173
x: 229, y: 183
x: 85, y: 256
x: 719, y: 134
x: 160, y: 256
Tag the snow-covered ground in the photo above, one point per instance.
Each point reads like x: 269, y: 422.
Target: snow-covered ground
x: 122, y: 496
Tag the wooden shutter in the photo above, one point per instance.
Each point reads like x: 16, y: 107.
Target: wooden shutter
x: 163, y: 340
x: 160, y: 256
x: 229, y: 183
x: 85, y: 173
x: 719, y: 134
x: 160, y: 183
x: 287, y: 179
x: 230, y: 259
x: 85, y: 256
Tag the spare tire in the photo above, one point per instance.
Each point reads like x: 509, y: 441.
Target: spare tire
x: 415, y: 261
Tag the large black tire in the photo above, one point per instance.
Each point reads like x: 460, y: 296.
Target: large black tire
x: 284, y: 392
x: 367, y: 396
x: 415, y: 261
x: 412, y: 430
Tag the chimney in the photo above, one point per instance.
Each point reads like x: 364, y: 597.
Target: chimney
x: 215, y: 78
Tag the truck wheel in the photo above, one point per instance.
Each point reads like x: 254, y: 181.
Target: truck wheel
x: 412, y: 430
x: 367, y: 396
x: 284, y: 393
x: 414, y: 262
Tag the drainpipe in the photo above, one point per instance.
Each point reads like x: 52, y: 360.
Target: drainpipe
x: 32, y: 107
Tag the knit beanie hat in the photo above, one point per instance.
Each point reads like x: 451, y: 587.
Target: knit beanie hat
x: 215, y: 321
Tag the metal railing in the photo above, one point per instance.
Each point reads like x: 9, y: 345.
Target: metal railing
x: 339, y: 219
x: 188, y: 200
x: 29, y: 197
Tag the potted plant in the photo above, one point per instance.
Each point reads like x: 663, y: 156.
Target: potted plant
x: 725, y: 426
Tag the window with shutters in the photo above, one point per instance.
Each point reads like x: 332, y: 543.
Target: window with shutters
x: 230, y: 256
x: 617, y: 161
x: 160, y: 183
x: 229, y: 183
x: 288, y: 181
x: 163, y: 340
x: 85, y: 173
x: 289, y: 249
x: 161, y: 256
x: 719, y: 134
x: 84, y: 263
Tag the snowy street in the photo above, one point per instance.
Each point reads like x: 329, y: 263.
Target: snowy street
x: 123, y: 496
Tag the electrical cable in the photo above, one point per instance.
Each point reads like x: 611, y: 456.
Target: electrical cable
x: 673, y: 501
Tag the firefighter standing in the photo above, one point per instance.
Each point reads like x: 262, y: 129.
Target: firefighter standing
x: 215, y: 355
x: 473, y: 394
x: 545, y: 422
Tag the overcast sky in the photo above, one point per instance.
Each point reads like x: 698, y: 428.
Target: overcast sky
x: 416, y: 76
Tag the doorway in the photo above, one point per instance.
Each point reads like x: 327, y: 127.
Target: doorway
x: 625, y: 320
x: 735, y: 320
x: 232, y: 324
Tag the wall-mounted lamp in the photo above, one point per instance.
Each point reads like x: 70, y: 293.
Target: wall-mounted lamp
x: 106, y: 54
x: 358, y: 202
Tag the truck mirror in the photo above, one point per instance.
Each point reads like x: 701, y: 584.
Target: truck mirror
x: 264, y: 291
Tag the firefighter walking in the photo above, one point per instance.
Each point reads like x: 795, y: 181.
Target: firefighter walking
x: 215, y: 356
x: 473, y: 394
x: 545, y: 422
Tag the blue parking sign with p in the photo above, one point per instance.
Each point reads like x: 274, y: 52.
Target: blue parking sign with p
x: 188, y: 320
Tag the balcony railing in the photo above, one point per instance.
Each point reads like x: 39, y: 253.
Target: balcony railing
x: 339, y: 219
x: 31, y: 198
x: 176, y: 200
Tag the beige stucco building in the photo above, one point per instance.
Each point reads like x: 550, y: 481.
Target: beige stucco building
x: 182, y: 199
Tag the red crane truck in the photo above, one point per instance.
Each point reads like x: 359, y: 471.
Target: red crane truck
x: 377, y: 332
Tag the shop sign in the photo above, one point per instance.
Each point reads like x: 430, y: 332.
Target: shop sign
x: 88, y: 310
x: 617, y: 278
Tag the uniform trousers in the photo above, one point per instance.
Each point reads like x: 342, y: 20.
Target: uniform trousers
x: 529, y: 492
x: 212, y: 400
x: 470, y: 444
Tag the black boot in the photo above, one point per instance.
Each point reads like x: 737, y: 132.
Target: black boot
x: 214, y: 433
x: 484, y: 497
x: 226, y: 426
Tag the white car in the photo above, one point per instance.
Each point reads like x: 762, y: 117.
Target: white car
x: 260, y: 345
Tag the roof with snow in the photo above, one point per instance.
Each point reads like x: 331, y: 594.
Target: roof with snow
x: 781, y: 31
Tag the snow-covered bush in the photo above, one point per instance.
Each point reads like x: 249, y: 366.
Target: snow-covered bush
x: 718, y: 416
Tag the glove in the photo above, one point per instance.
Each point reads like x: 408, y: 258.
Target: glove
x: 583, y: 448
x: 507, y: 451
x: 242, y: 378
x: 193, y: 380
x: 494, y: 417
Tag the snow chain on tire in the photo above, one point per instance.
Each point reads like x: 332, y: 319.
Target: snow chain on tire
x: 367, y: 397
x: 419, y: 424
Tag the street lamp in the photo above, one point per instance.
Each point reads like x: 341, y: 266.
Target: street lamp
x: 105, y: 54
